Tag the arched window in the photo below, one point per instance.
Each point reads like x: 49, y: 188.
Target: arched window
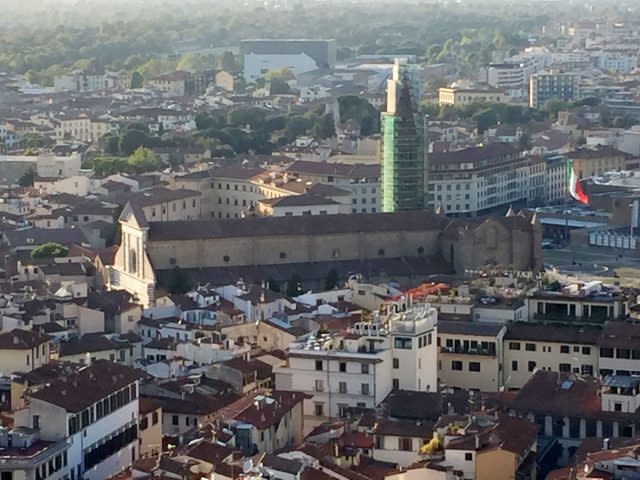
x: 133, y: 261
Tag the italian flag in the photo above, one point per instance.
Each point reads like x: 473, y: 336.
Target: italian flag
x: 575, y: 185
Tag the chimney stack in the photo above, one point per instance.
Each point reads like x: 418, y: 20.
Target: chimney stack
x: 477, y: 442
x: 605, y: 444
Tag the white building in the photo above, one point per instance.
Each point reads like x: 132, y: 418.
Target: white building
x: 359, y: 369
x: 96, y: 410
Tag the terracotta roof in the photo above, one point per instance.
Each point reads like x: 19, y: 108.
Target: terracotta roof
x: 234, y: 172
x: 469, y: 328
x: 148, y: 405
x: 562, y: 394
x: 77, y: 391
x: 552, y: 333
x: 303, y: 225
x: 209, y: 452
x: 18, y: 339
x: 303, y: 200
x: 356, y: 439
x: 509, y: 433
x: 263, y: 370
x: 620, y: 334
x: 268, y: 414
x: 281, y: 464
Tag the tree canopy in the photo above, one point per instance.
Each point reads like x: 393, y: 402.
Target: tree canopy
x: 50, y: 250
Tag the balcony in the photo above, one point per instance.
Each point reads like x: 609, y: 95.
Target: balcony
x: 488, y: 351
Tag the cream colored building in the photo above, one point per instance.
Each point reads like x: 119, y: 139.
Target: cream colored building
x: 464, y: 96
x: 470, y: 355
x: 23, y: 351
x: 150, y: 428
x: 297, y: 205
x: 165, y: 205
x: 529, y: 347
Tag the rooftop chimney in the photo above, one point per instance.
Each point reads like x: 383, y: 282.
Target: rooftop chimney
x: 605, y: 444
x: 477, y: 437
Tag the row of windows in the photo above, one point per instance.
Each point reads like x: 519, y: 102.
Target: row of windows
x: 342, y: 367
x: 110, y: 446
x: 342, y: 387
x: 52, y: 466
x: 188, y: 421
x: 144, y: 423
x: 532, y: 347
x: 625, y: 353
x: 102, y: 408
x: 458, y: 366
x: 173, y: 207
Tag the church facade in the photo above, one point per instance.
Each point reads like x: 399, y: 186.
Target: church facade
x: 147, y: 249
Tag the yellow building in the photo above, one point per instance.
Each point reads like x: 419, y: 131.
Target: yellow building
x: 464, y: 96
x: 470, y: 355
x: 503, y: 451
x: 589, y: 162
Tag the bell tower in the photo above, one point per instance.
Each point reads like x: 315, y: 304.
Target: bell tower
x: 132, y: 270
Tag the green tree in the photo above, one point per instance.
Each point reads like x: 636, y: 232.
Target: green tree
x: 50, y: 250
x: 27, y: 178
x: 131, y: 139
x: 552, y: 106
x: 324, y: 127
x: 110, y: 143
x: 37, y: 140
x: 144, y: 160
x: 227, y: 62
x: 283, y: 73
x: 294, y: 285
x: 137, y: 80
x: 524, y: 142
x: 331, y: 280
x: 297, y: 125
x: 279, y: 86
x: 431, y: 85
x: 107, y: 165
x: 178, y: 283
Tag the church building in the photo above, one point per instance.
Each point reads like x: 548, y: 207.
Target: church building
x: 278, y: 245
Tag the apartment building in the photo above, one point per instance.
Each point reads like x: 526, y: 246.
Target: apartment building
x: 150, y: 428
x: 544, y: 86
x: 23, y: 350
x: 23, y: 455
x: 460, y: 96
x: 268, y: 422
x: 479, y: 180
x: 80, y: 128
x: 362, y: 180
x: 555, y: 179
x: 304, y: 204
x: 164, y: 205
x: 502, y: 450
x: 175, y: 84
x: 590, y: 302
x: 596, y: 161
x: 619, y: 349
x: 470, y: 355
x: 572, y: 408
x: 96, y: 410
x: 359, y: 368
x: 531, y: 347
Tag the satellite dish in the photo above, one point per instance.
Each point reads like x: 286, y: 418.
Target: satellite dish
x: 247, y: 465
